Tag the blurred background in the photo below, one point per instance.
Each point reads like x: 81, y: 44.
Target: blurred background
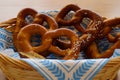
x: 10, y: 8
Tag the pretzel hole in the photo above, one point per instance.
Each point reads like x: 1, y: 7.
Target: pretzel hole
x: 61, y: 45
x: 35, y: 40
x: 103, y: 45
x: 29, y: 19
x: 69, y: 15
x: 115, y: 30
x: 107, y: 42
x: 46, y: 25
x: 85, y: 22
x: 114, y: 34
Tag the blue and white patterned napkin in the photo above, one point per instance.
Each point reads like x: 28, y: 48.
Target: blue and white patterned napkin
x: 67, y: 69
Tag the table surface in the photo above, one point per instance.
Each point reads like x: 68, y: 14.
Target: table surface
x: 106, y: 8
x: 10, y: 8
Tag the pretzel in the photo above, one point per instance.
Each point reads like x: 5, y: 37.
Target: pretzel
x: 21, y: 22
x: 24, y: 37
x: 62, y: 22
x: 108, y: 25
x: 62, y: 13
x: 90, y: 33
x: 51, y: 24
x: 49, y: 38
x: 93, y: 26
x: 93, y: 52
x: 40, y: 18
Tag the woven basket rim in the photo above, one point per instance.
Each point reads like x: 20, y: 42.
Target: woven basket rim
x: 110, y: 69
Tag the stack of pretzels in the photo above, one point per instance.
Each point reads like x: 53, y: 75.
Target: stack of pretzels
x: 51, y: 40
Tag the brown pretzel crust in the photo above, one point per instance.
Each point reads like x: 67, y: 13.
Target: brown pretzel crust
x: 50, y: 35
x: 62, y: 13
x: 40, y: 18
x: 24, y: 37
x: 91, y: 31
x: 108, y: 24
x: 96, y: 29
x: 93, y: 26
x: 50, y: 21
x: 21, y: 22
x: 93, y: 52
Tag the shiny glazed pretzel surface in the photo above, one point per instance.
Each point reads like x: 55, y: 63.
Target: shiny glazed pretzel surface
x: 50, y: 38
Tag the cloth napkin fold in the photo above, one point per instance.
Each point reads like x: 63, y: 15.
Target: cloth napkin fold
x: 67, y: 69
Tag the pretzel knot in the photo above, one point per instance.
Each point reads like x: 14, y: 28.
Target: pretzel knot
x: 48, y: 22
x: 108, y: 25
x: 22, y: 21
x: 24, y: 39
x: 94, y: 25
x: 50, y: 35
x: 93, y: 52
x: 26, y: 32
x: 41, y: 18
x: 90, y: 33
x: 62, y: 14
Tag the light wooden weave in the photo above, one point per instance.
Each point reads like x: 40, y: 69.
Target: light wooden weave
x: 9, y: 24
x: 16, y: 69
x: 110, y: 70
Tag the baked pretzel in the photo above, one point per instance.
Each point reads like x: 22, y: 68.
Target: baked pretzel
x: 62, y: 13
x: 91, y: 32
x: 51, y: 24
x: 21, y: 22
x: 108, y: 25
x: 41, y: 18
x: 24, y: 36
x: 93, y: 52
x: 60, y: 19
x: 95, y: 21
x: 49, y: 38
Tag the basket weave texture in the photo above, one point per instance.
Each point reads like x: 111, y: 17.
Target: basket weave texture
x: 15, y: 69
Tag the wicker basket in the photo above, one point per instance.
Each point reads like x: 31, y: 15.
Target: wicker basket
x: 16, y: 69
